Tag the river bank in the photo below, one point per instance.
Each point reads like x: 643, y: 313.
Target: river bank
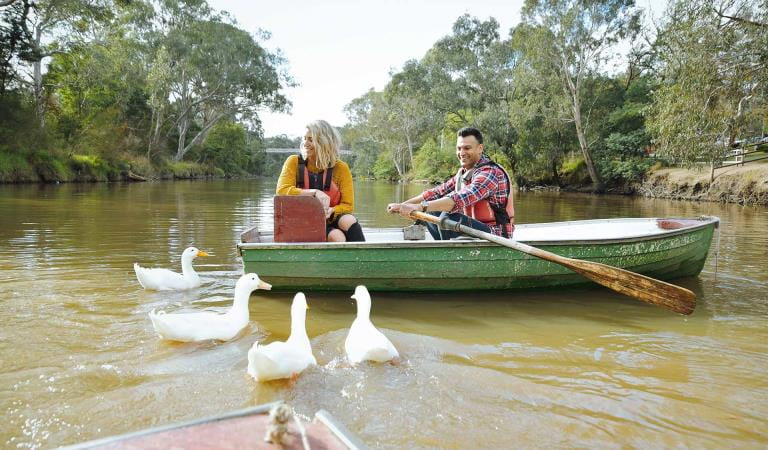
x: 48, y: 168
x: 746, y: 185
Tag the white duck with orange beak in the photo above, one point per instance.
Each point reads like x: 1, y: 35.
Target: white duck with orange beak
x: 206, y: 325
x: 167, y: 280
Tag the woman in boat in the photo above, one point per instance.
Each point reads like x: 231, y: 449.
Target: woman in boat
x: 320, y: 173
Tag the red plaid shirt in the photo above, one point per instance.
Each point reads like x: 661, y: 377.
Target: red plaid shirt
x: 488, y: 182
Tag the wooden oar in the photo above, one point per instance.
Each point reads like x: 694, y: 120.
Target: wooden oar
x: 643, y: 288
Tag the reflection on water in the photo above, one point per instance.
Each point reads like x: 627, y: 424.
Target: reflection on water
x: 578, y: 367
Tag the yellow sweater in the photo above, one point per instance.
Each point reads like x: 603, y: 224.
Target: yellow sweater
x: 286, y: 184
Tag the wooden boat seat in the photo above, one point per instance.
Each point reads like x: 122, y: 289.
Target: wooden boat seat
x: 298, y: 218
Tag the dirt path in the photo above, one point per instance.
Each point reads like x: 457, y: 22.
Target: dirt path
x: 746, y: 184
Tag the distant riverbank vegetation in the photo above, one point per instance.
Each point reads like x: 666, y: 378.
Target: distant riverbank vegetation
x: 579, y: 94
x: 132, y: 90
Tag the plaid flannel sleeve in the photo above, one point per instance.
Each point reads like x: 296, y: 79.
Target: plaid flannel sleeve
x: 440, y: 191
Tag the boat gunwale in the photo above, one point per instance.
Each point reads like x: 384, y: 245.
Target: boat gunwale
x: 706, y: 221
x: 337, y: 429
x: 259, y: 409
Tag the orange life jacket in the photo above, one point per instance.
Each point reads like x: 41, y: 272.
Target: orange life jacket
x: 323, y: 181
x: 483, y: 211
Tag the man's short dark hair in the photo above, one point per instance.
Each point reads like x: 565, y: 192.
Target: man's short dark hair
x: 469, y: 131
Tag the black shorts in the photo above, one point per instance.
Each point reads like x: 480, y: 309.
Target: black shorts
x: 332, y: 225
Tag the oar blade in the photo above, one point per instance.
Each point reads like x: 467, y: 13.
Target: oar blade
x: 641, y: 287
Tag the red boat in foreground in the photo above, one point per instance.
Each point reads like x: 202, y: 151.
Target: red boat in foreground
x: 243, y: 429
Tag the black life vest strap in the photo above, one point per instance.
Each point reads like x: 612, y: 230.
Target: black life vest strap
x: 300, y: 173
x: 315, y: 180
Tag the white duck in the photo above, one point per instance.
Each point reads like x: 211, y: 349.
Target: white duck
x: 284, y: 359
x: 166, y: 280
x: 365, y: 342
x: 202, y: 326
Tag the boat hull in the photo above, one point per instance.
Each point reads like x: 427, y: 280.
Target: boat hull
x: 471, y: 264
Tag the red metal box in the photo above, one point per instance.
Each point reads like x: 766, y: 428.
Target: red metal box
x: 299, y: 218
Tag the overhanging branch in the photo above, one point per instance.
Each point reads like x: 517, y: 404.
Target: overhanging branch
x: 741, y: 19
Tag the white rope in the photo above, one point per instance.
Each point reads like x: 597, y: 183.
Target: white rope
x: 302, y: 433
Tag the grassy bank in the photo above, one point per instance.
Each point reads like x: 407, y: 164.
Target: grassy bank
x: 46, y: 168
x: 747, y: 185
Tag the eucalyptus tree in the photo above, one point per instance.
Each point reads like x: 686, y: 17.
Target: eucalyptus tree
x: 471, y: 77
x: 50, y: 27
x: 206, y: 69
x: 374, y: 115
x: 14, y: 40
x: 572, y: 40
x: 404, y: 99
x: 714, y: 56
x: 545, y: 130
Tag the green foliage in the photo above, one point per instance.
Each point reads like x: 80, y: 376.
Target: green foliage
x: 367, y: 152
x: 129, y: 85
x: 185, y: 170
x: 92, y: 168
x: 384, y: 169
x: 50, y: 169
x: 714, y: 90
x: 226, y: 148
x: 196, y: 51
x: 574, y: 171
x: 14, y: 168
x: 433, y: 164
x: 282, y: 141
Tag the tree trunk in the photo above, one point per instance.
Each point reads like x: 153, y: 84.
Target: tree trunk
x: 201, y: 135
x: 37, y: 83
x: 597, y: 184
x: 573, y: 90
x: 182, y: 126
x: 409, y: 163
x: 395, y: 157
x: 154, y: 131
x: 555, y: 175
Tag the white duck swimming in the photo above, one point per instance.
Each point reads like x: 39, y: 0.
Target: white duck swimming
x: 202, y: 326
x: 364, y: 342
x: 166, y: 280
x: 284, y: 359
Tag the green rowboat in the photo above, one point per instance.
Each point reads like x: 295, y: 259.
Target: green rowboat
x: 659, y: 248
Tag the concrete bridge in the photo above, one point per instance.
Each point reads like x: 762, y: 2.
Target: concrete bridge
x: 288, y: 151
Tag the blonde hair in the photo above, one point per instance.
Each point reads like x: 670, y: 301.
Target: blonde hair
x: 327, y: 143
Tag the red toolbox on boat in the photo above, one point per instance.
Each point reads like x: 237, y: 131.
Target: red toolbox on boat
x: 299, y: 218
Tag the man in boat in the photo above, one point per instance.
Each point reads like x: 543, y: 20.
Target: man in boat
x: 479, y: 195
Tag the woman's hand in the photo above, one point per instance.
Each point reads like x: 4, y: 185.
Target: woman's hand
x: 324, y: 198
x: 393, y: 208
x: 328, y: 212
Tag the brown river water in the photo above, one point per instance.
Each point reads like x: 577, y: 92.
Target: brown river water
x: 573, y: 368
